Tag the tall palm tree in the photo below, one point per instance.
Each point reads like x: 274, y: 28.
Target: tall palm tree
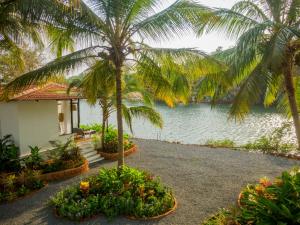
x: 114, y: 31
x: 23, y: 21
x: 101, y: 88
x: 263, y: 61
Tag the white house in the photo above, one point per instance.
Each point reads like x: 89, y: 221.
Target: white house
x: 40, y: 114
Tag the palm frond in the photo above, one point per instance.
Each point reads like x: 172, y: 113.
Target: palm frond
x: 170, y: 22
x: 60, y: 65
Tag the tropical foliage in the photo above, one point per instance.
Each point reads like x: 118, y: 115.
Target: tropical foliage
x: 102, y: 89
x: 265, y: 203
x: 13, y: 186
x: 128, y: 192
x: 274, y: 142
x: 262, y: 64
x: 114, y: 32
x: 11, y: 66
x: 9, y: 155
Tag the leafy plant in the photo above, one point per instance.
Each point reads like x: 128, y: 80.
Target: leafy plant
x: 112, y: 192
x: 226, y: 143
x: 111, y: 141
x: 272, y: 202
x: 34, y: 160
x: 63, y: 156
x: 274, y: 142
x: 265, y: 203
x: 16, y: 185
x: 9, y: 155
x: 223, y: 217
x: 95, y: 126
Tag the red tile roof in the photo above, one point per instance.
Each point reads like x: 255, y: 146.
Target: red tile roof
x: 50, y: 91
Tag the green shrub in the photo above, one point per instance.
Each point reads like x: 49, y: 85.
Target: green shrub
x: 274, y: 142
x: 34, y: 160
x: 226, y: 143
x: 17, y: 185
x: 63, y: 156
x: 127, y: 192
x: 111, y: 141
x: 9, y: 155
x: 95, y: 126
x: 223, y: 217
x: 272, y: 202
x: 266, y: 203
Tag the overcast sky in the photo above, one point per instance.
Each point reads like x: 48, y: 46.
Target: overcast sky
x: 207, y: 43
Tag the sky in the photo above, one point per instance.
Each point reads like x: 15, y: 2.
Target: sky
x: 208, y: 42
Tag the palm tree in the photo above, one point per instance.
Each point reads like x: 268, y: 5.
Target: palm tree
x: 22, y: 22
x: 96, y: 87
x: 262, y: 63
x: 114, y: 31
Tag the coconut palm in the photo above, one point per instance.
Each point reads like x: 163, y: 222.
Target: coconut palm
x: 263, y: 61
x: 114, y: 31
x: 101, y: 88
x: 22, y: 22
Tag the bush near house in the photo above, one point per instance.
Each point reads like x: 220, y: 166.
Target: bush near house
x: 64, y: 156
x: 110, y: 139
x: 20, y: 176
x: 265, y: 203
x: 9, y: 155
x: 94, y: 126
x: 128, y: 192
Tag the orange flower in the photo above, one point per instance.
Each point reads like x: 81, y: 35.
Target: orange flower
x: 265, y: 182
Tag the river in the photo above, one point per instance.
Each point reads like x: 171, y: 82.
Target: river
x: 197, y: 123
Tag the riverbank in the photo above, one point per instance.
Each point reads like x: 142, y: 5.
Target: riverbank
x: 203, y: 180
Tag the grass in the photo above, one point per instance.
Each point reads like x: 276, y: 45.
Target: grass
x: 226, y: 143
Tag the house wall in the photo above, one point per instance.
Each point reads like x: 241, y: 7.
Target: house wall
x: 38, y: 124
x: 9, y: 120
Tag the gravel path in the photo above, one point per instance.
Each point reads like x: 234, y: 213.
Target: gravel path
x: 203, y: 180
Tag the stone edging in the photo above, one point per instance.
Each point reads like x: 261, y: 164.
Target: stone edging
x: 156, y: 217
x: 64, y: 174
x: 114, y: 156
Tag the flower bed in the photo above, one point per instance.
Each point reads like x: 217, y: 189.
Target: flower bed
x: 129, y: 192
x: 265, y: 203
x: 64, y: 174
x: 17, y: 185
x: 114, y: 156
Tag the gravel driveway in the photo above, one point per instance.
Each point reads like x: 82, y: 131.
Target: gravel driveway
x: 203, y: 180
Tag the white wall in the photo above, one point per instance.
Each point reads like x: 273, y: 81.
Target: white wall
x: 33, y: 123
x: 38, y: 124
x: 9, y: 120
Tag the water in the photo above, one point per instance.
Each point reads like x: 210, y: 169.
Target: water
x: 195, y: 124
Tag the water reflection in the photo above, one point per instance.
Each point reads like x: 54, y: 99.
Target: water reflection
x: 195, y: 124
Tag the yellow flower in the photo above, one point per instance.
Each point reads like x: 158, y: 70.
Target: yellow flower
x: 84, y: 185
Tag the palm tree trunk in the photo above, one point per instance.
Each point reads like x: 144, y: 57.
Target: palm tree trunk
x: 290, y: 90
x: 119, y: 115
x: 103, y: 128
